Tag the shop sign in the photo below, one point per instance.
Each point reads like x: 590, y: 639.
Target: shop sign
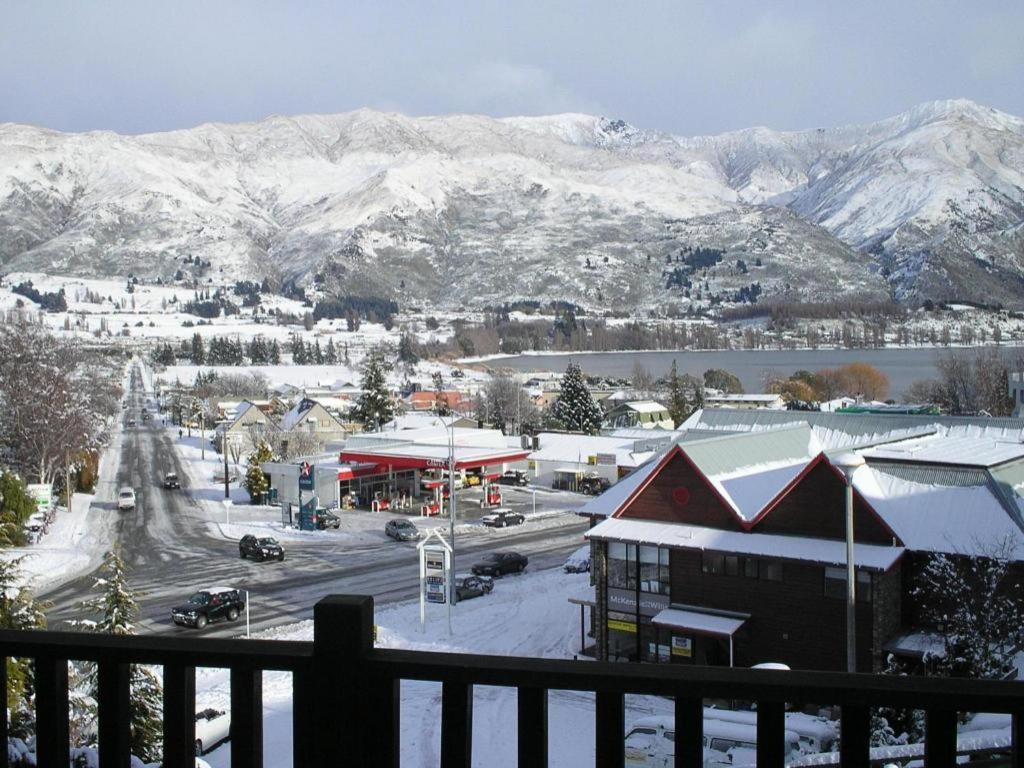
x: 307, y: 473
x: 625, y: 600
x: 682, y: 646
x: 607, y: 459
x: 437, y: 463
x: 622, y: 626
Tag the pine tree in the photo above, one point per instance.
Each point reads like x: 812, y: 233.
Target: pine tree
x: 318, y: 353
x: 198, y: 352
x: 575, y: 408
x: 374, y: 407
x: 678, y: 407
x: 274, y: 354
x: 331, y: 353
x: 255, y: 479
x: 118, y: 610
x: 19, y: 610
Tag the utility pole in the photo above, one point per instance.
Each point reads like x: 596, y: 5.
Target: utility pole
x: 451, y: 501
x: 224, y: 450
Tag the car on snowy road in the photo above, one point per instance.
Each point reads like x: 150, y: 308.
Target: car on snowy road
x: 500, y: 563
x: 213, y: 727
x: 502, y: 518
x: 514, y: 477
x: 171, y: 481
x: 401, y: 530
x: 579, y: 561
x: 467, y: 587
x: 208, y: 605
x: 260, y: 549
x: 126, y: 499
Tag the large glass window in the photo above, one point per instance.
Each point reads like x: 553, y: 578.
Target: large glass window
x: 655, y: 643
x: 654, y: 575
x: 621, y: 565
x: 770, y: 570
x: 835, y: 584
x: 712, y: 563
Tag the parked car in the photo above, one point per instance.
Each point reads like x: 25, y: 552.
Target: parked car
x: 260, y: 549
x: 401, y: 530
x: 500, y: 563
x: 467, y: 587
x: 146, y: 416
x: 324, y: 519
x: 208, y: 605
x: 651, y: 742
x: 502, y: 518
x: 171, y: 481
x: 579, y: 561
x: 473, y: 479
x: 514, y: 477
x: 126, y: 499
x: 213, y: 727
x: 594, y: 485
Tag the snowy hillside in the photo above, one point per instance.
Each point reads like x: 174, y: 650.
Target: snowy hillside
x: 468, y: 210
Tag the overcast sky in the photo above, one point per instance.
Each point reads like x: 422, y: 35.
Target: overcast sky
x: 687, y: 68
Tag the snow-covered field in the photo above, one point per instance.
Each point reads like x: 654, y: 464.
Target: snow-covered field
x: 527, y: 615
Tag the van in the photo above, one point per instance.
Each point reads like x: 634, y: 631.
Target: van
x: 816, y: 734
x: 651, y: 742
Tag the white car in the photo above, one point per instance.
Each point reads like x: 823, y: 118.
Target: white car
x: 213, y: 727
x: 579, y: 561
x: 126, y: 499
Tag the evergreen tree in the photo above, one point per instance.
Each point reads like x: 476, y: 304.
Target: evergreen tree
x: 678, y: 407
x: 374, y: 407
x: 298, y: 350
x: 318, y: 353
x: 274, y: 353
x: 407, y: 350
x: 441, y: 405
x: 198, y: 351
x: 255, y: 479
x: 331, y: 353
x: 118, y: 610
x: 16, y: 506
x: 19, y: 610
x: 575, y: 408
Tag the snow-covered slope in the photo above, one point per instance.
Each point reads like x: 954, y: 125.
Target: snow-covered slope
x: 469, y: 210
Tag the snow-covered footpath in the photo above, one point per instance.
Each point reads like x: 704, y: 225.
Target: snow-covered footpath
x: 527, y: 615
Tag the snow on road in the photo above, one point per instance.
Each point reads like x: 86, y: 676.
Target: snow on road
x: 526, y: 615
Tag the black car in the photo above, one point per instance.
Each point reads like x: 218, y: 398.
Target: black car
x: 260, y: 549
x: 594, y: 486
x: 513, y: 477
x: 467, y: 587
x: 500, y: 563
x: 324, y: 519
x: 171, y: 481
x: 401, y: 530
x: 213, y: 604
x: 502, y: 518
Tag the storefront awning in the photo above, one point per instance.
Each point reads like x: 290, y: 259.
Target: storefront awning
x: 699, y: 623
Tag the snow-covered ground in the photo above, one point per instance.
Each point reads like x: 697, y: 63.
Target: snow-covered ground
x: 527, y: 615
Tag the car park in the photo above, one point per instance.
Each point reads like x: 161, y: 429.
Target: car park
x: 126, y: 499
x: 171, y: 481
x: 499, y: 564
x: 260, y: 549
x: 213, y: 727
x: 579, y: 561
x: 209, y: 605
x: 502, y: 518
x: 468, y: 587
x: 401, y: 530
x: 514, y: 477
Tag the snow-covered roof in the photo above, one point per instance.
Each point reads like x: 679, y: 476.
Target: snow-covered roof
x: 697, y: 621
x: 299, y: 412
x: 683, y: 536
x: 645, y: 406
x: 575, y: 449
x: 969, y: 520
x: 609, y: 502
x: 751, y: 489
x: 958, y: 449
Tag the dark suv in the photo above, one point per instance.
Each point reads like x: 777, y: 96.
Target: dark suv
x: 211, y: 604
x: 325, y: 519
x: 500, y: 563
x: 171, y: 481
x: 514, y: 477
x: 260, y: 549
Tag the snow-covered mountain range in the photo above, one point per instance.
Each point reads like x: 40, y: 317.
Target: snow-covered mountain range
x: 470, y: 210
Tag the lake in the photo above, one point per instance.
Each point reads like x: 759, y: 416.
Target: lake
x: 903, y: 365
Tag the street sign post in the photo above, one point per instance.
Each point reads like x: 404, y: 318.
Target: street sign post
x: 436, y: 583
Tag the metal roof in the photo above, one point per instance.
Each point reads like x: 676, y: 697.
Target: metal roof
x: 728, y: 453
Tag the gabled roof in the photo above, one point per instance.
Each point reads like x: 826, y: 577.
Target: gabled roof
x: 300, y: 411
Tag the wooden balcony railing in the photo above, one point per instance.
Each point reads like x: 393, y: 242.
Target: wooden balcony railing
x: 346, y: 697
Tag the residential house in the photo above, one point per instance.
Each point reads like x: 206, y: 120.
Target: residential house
x: 309, y: 417
x: 246, y: 420
x: 645, y: 414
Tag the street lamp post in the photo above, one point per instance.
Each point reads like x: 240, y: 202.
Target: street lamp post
x: 451, y: 501
x: 848, y: 464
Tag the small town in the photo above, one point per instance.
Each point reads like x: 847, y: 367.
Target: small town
x: 481, y: 386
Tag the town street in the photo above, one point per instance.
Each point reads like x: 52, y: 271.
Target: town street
x: 171, y: 553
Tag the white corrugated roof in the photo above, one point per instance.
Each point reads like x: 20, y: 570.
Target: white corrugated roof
x: 695, y: 621
x: 964, y: 450
x: 764, y: 545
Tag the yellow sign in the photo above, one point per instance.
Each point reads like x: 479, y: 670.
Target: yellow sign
x: 621, y: 626
x: 682, y: 646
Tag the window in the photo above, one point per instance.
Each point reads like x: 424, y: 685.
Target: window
x: 713, y: 564
x: 732, y: 565
x: 770, y: 570
x: 835, y: 584
x: 750, y: 567
x: 621, y: 565
x: 654, y: 574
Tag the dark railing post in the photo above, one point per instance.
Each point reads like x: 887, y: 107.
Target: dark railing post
x: 114, y: 721
x: 246, y: 717
x: 342, y: 640
x: 1017, y: 733
x: 4, y: 724
x: 611, y: 729
x: 771, y: 734
x: 52, y: 737
x: 855, y: 736
x: 939, y: 738
x: 689, y: 732
x: 179, y: 716
x: 456, y: 724
x: 532, y: 727
x: 304, y: 713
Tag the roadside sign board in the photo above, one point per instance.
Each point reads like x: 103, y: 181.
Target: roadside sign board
x: 307, y: 475
x: 435, y: 574
x: 42, y: 495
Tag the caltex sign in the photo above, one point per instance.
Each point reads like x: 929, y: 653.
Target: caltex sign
x: 306, y: 476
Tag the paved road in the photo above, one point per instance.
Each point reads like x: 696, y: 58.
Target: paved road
x: 170, y: 551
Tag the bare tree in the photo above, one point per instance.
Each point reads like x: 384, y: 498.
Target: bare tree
x: 509, y: 408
